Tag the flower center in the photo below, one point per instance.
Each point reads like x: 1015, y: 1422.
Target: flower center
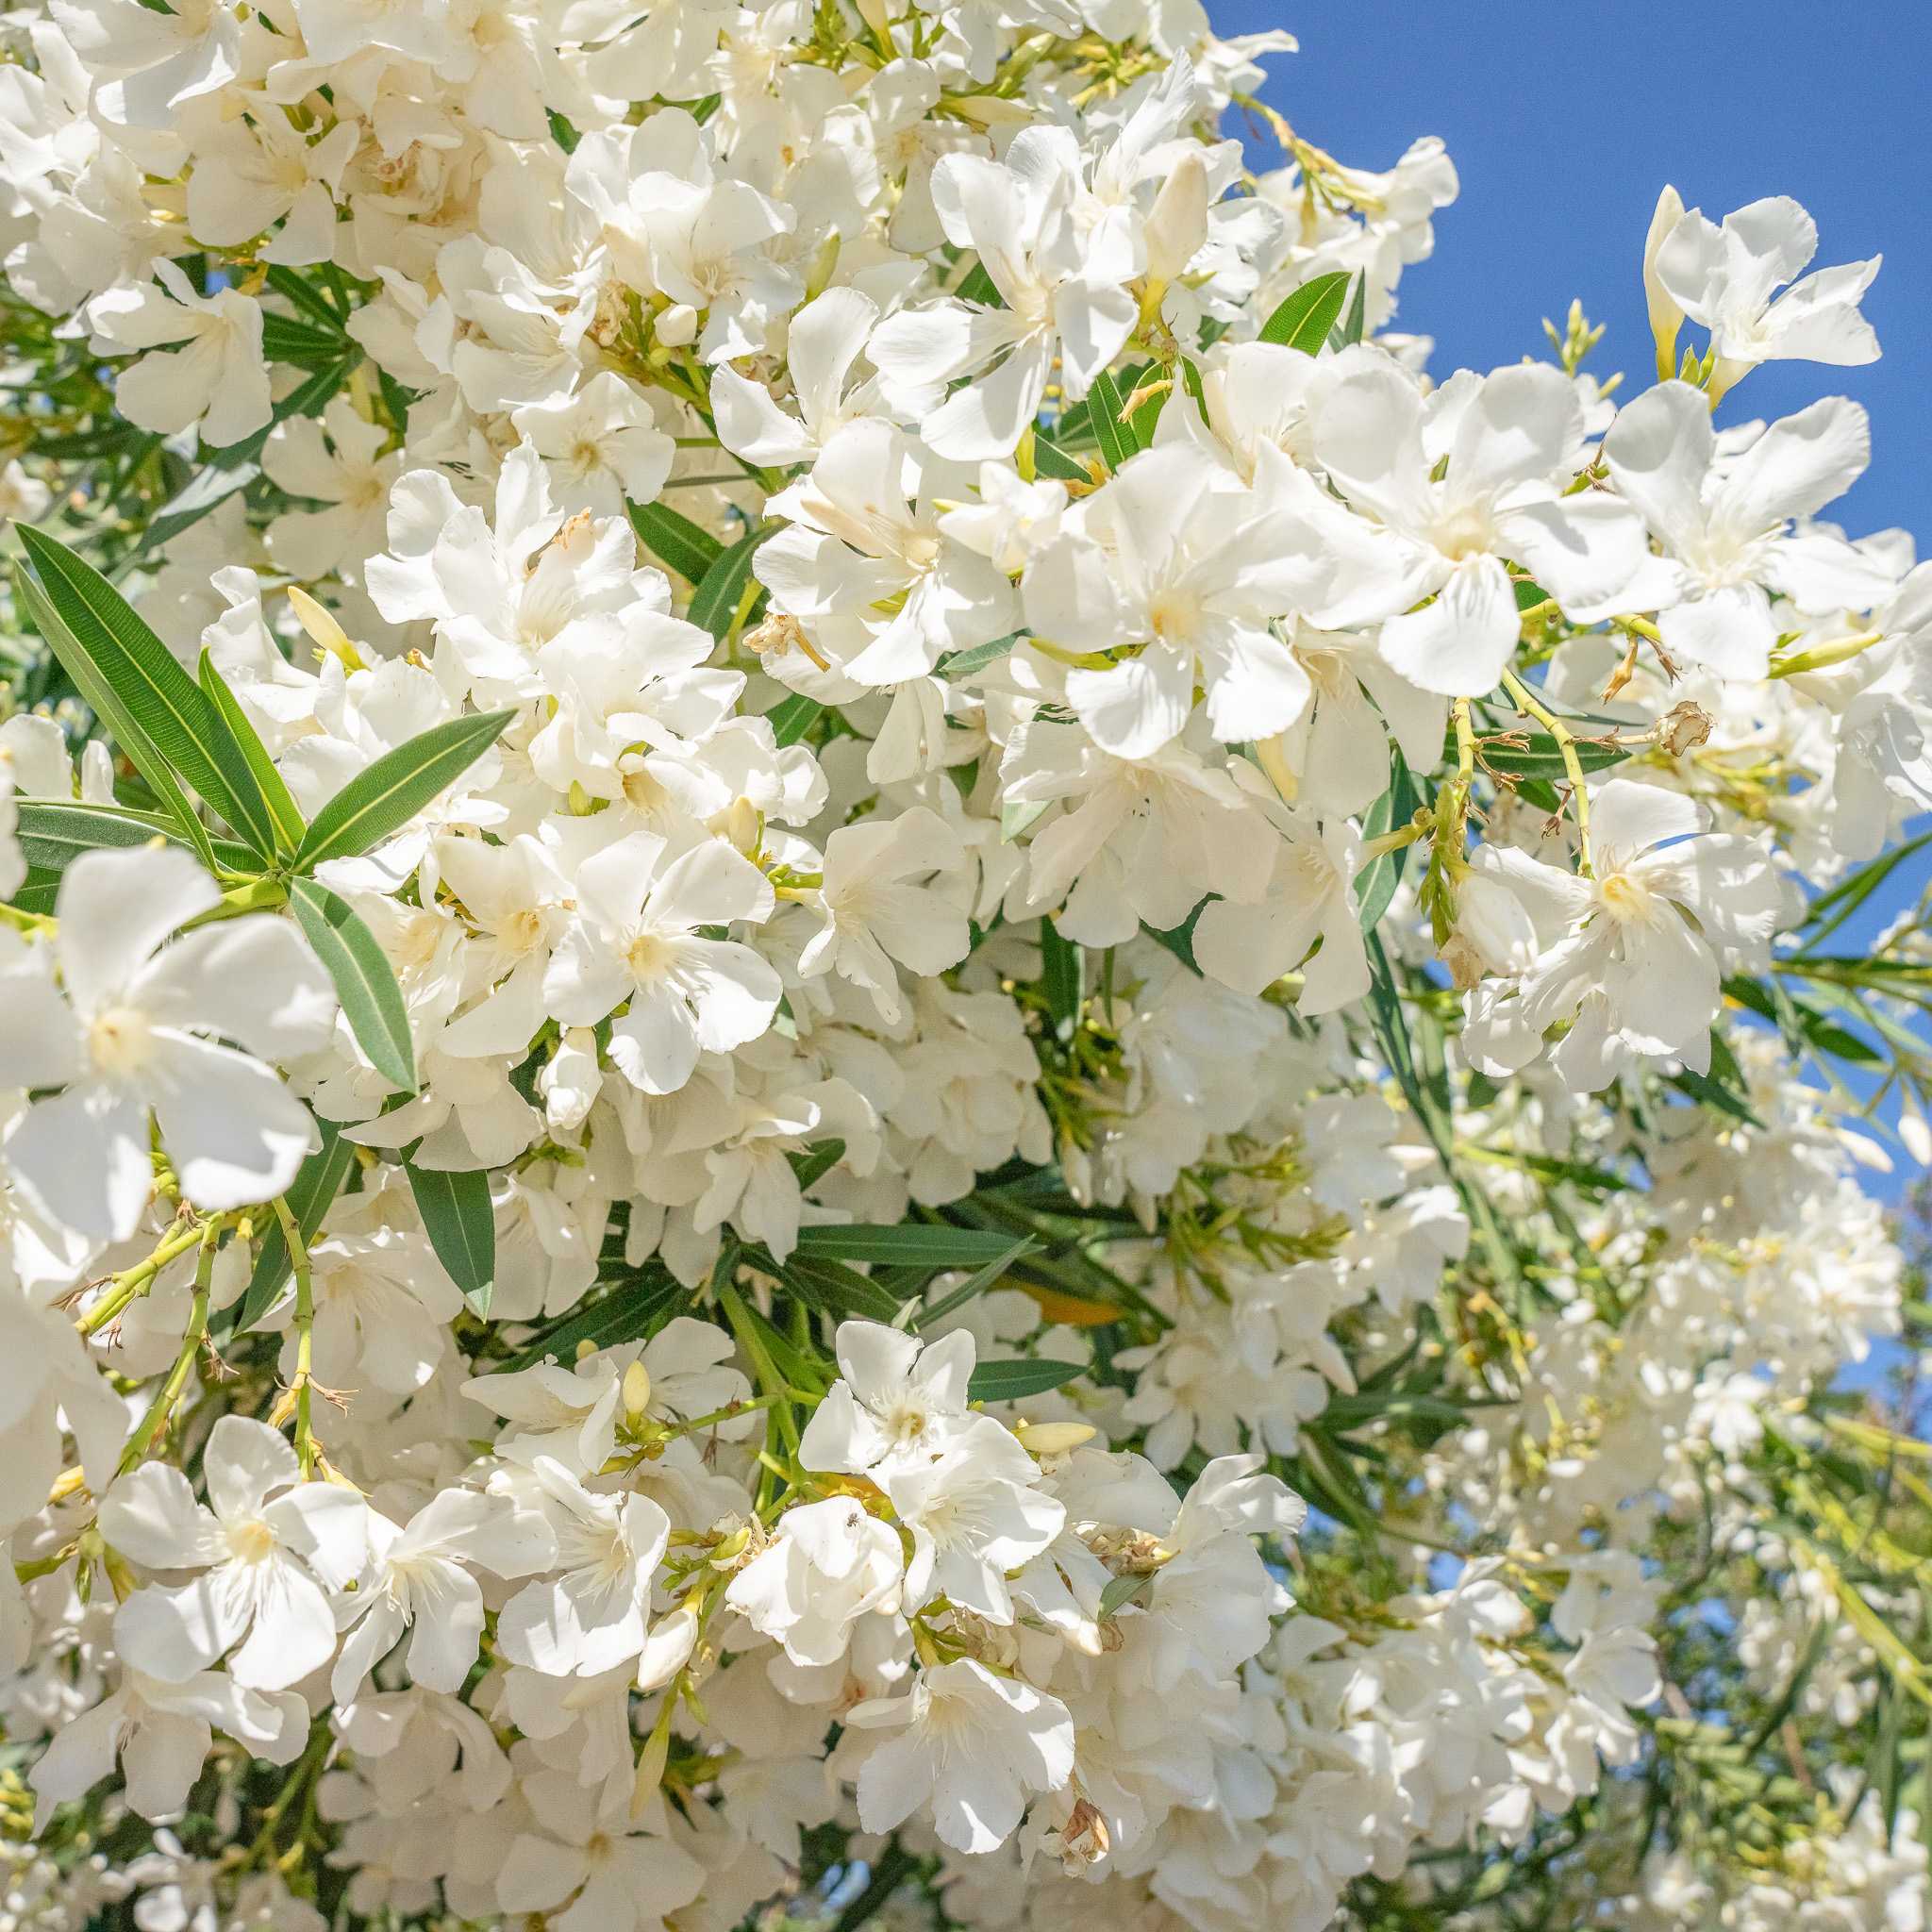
x: 252, y: 1541
x: 647, y: 956
x: 119, y: 1040
x: 1626, y: 899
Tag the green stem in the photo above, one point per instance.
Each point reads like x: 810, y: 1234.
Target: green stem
x: 304, y: 1335
x: 1527, y: 701
x: 141, y: 1444
x: 137, y: 1280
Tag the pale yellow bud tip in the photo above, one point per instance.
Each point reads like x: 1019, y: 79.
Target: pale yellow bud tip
x: 1053, y: 1438
x: 637, y: 1389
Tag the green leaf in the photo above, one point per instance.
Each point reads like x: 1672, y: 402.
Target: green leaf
x: 317, y: 1182
x: 622, y: 1315
x: 285, y: 340
x: 284, y: 814
x: 1114, y: 436
x: 964, y: 663
x: 304, y: 400
x: 1179, y: 940
x: 175, y: 723
x: 1831, y: 909
x: 978, y: 286
x: 816, y: 1162
x: 1723, y: 1088
x: 1353, y: 326
x: 1050, y: 459
x: 715, y: 601
x: 1375, y: 885
x: 462, y: 1226
x: 1304, y: 319
x: 975, y: 1283
x: 364, y: 981
x: 1013, y: 1381
x: 675, y: 539
x: 1540, y: 757
x: 383, y: 798
x: 54, y: 832
x: 306, y: 297
x: 790, y: 719
x: 909, y: 1244
x: 1060, y: 976
x: 838, y: 1290
x: 1123, y: 1591
x: 122, y: 723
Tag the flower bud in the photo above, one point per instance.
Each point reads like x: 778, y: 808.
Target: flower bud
x: 1041, y: 1439
x: 677, y: 325
x: 1665, y: 318
x: 1177, y: 226
x: 637, y: 1390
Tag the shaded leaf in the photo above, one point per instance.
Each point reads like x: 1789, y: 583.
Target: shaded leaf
x: 462, y: 1227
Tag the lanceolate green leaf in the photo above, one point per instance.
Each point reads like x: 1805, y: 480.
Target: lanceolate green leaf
x: 284, y: 814
x: 315, y: 1186
x: 715, y: 601
x: 675, y: 539
x: 975, y: 1283
x: 143, y: 753
x: 176, y: 719
x: 462, y: 1227
x: 383, y: 798
x: 1114, y: 435
x: 1011, y: 1381
x: 1304, y: 319
x: 1354, y: 325
x: 364, y: 982
x: 629, y: 1310
x: 911, y: 1245
x: 54, y: 832
x: 1376, y: 885
x: 1050, y: 459
x: 790, y: 719
x: 838, y: 1290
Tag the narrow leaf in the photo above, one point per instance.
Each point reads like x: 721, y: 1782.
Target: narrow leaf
x: 910, y: 1244
x: 1013, y: 1381
x: 175, y: 718
x: 964, y: 663
x: 284, y: 814
x: 1050, y: 459
x: 122, y: 723
x: 54, y: 832
x: 816, y: 1162
x: 462, y: 1226
x: 1060, y: 977
x: 317, y: 1182
x: 675, y: 539
x: 715, y: 601
x: 1304, y: 319
x: 975, y: 1285
x: 1352, y: 329
x: 364, y: 981
x: 790, y: 719
x: 1375, y: 885
x: 1114, y: 436
x: 838, y: 1290
x: 383, y: 798
x: 626, y: 1313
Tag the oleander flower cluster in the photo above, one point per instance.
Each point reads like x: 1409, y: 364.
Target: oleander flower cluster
x: 876, y: 1046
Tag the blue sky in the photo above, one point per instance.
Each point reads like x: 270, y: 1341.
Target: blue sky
x: 1565, y: 123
